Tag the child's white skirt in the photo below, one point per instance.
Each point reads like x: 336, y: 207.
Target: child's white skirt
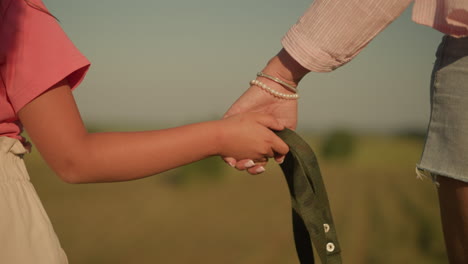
x: 26, y: 234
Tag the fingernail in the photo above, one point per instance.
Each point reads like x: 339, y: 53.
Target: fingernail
x: 260, y: 169
x: 232, y: 164
x: 281, y: 161
x: 249, y: 164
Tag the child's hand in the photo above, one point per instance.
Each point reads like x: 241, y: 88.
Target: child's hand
x: 249, y: 136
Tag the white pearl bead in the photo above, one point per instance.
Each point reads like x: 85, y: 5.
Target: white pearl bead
x: 274, y: 92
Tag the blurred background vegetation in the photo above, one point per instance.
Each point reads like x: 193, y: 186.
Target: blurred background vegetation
x: 207, y: 212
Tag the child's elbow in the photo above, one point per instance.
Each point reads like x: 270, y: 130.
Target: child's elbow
x: 70, y: 178
x: 71, y: 173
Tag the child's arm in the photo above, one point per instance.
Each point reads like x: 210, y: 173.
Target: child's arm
x: 54, y: 124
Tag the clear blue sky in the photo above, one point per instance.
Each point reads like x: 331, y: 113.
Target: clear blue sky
x: 174, y: 62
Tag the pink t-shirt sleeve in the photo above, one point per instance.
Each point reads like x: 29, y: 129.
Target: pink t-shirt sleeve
x: 39, y: 54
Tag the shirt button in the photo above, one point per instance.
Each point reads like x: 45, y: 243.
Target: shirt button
x: 330, y: 247
x: 326, y: 227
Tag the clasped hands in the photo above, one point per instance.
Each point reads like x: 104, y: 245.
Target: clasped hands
x: 283, y: 111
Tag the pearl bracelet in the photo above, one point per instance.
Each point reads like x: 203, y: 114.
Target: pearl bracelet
x: 274, y: 92
x: 277, y: 80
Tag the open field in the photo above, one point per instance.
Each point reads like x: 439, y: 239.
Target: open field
x: 210, y: 213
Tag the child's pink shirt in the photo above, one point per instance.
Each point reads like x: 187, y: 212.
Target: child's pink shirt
x: 35, y: 54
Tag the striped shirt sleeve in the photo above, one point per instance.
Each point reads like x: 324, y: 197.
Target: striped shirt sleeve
x: 333, y: 32
x: 448, y: 16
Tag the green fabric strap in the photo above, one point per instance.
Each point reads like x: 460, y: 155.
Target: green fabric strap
x: 312, y: 219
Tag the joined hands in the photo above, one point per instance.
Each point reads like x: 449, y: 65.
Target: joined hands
x: 255, y: 99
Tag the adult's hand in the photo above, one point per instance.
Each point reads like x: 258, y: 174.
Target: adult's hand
x: 255, y: 99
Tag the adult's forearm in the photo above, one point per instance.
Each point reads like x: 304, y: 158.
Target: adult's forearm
x: 333, y: 32
x: 285, y: 67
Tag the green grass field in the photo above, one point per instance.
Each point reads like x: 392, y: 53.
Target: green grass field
x: 209, y: 213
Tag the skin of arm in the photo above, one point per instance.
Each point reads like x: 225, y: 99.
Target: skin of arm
x: 54, y: 124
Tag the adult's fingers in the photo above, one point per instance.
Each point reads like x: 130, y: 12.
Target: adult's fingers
x: 256, y: 170
x: 230, y: 161
x: 245, y: 164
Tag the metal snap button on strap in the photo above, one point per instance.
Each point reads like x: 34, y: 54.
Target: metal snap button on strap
x: 330, y: 247
x: 310, y: 207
